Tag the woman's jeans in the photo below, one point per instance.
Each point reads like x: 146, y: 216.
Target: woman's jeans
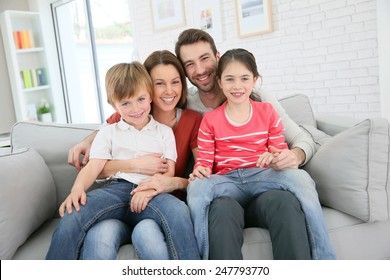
x: 112, y: 202
x: 247, y: 183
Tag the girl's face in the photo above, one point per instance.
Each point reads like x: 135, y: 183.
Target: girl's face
x: 237, y: 82
x: 167, y: 87
x: 135, y: 110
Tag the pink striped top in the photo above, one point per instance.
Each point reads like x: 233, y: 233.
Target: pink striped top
x: 223, y: 146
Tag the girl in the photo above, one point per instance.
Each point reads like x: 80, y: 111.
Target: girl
x: 236, y: 143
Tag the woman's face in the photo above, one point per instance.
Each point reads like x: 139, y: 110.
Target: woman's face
x: 167, y: 87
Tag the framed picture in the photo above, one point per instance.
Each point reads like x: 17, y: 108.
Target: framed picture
x: 167, y: 14
x: 207, y: 16
x: 253, y: 17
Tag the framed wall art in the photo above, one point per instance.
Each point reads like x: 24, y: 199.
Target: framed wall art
x: 207, y: 16
x: 253, y: 17
x: 167, y: 14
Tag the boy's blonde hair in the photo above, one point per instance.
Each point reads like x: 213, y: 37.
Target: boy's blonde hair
x: 124, y: 79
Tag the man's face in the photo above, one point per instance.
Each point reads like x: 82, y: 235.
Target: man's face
x: 200, y: 65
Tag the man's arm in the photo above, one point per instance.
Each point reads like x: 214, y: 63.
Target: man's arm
x: 81, y: 149
x: 300, y: 143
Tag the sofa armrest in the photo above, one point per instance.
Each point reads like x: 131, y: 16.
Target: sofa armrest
x: 332, y: 124
x: 27, y: 198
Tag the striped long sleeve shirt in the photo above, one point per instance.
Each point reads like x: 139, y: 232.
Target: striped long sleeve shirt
x: 223, y: 147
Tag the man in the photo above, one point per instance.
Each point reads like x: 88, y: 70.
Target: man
x: 279, y: 211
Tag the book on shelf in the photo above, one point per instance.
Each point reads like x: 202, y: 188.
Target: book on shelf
x: 26, y: 78
x: 33, y: 77
x: 41, y: 76
x: 24, y: 39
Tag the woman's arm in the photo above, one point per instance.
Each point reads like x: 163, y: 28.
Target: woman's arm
x: 164, y: 184
x: 147, y: 165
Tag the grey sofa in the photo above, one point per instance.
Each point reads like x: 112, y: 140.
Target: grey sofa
x: 351, y: 170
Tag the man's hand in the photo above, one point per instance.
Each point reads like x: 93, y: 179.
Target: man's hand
x: 75, y: 153
x: 286, y: 158
x: 82, y: 149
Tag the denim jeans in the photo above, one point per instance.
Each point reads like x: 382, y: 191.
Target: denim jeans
x: 245, y: 184
x: 112, y: 202
x: 103, y: 240
x: 149, y: 241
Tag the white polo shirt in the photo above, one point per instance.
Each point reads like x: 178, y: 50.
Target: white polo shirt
x: 122, y: 141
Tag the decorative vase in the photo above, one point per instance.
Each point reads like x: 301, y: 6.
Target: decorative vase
x: 45, y: 117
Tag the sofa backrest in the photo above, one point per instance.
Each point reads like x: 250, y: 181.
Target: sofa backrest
x: 52, y: 141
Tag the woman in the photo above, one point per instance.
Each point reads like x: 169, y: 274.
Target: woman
x: 168, y: 107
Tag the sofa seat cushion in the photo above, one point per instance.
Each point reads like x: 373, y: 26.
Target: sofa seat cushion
x: 352, y: 174
x: 27, y: 198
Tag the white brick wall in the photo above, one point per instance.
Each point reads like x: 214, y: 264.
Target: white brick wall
x: 326, y: 49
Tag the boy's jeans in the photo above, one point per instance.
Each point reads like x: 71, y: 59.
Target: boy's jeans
x: 246, y: 183
x: 112, y: 202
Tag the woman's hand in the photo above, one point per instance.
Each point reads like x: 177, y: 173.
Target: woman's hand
x: 158, y: 184
x: 151, y: 164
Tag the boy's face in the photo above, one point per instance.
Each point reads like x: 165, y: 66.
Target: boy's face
x: 135, y: 110
x: 200, y: 64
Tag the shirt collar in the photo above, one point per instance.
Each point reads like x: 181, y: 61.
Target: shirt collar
x: 125, y: 126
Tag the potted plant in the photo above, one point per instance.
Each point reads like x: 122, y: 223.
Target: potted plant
x: 44, y: 112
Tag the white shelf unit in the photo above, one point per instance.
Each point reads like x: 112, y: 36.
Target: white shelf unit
x: 25, y: 99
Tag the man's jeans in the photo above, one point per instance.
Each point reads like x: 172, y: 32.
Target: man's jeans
x: 246, y: 183
x: 112, y: 202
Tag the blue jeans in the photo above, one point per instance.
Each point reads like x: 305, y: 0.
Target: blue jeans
x: 112, y: 202
x: 103, y: 240
x: 245, y: 184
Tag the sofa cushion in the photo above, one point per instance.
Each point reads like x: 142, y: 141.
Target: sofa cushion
x: 352, y: 174
x: 299, y: 109
x: 27, y: 198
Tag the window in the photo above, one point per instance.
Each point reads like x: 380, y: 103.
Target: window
x: 92, y: 36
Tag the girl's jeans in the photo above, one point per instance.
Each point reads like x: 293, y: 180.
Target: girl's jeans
x: 112, y: 202
x: 247, y: 183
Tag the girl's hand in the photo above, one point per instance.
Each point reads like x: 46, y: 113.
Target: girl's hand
x: 73, y: 199
x: 200, y: 172
x: 139, y: 201
x: 265, y: 159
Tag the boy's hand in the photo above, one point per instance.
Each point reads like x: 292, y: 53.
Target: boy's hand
x: 200, y: 172
x: 140, y: 200
x: 73, y: 199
